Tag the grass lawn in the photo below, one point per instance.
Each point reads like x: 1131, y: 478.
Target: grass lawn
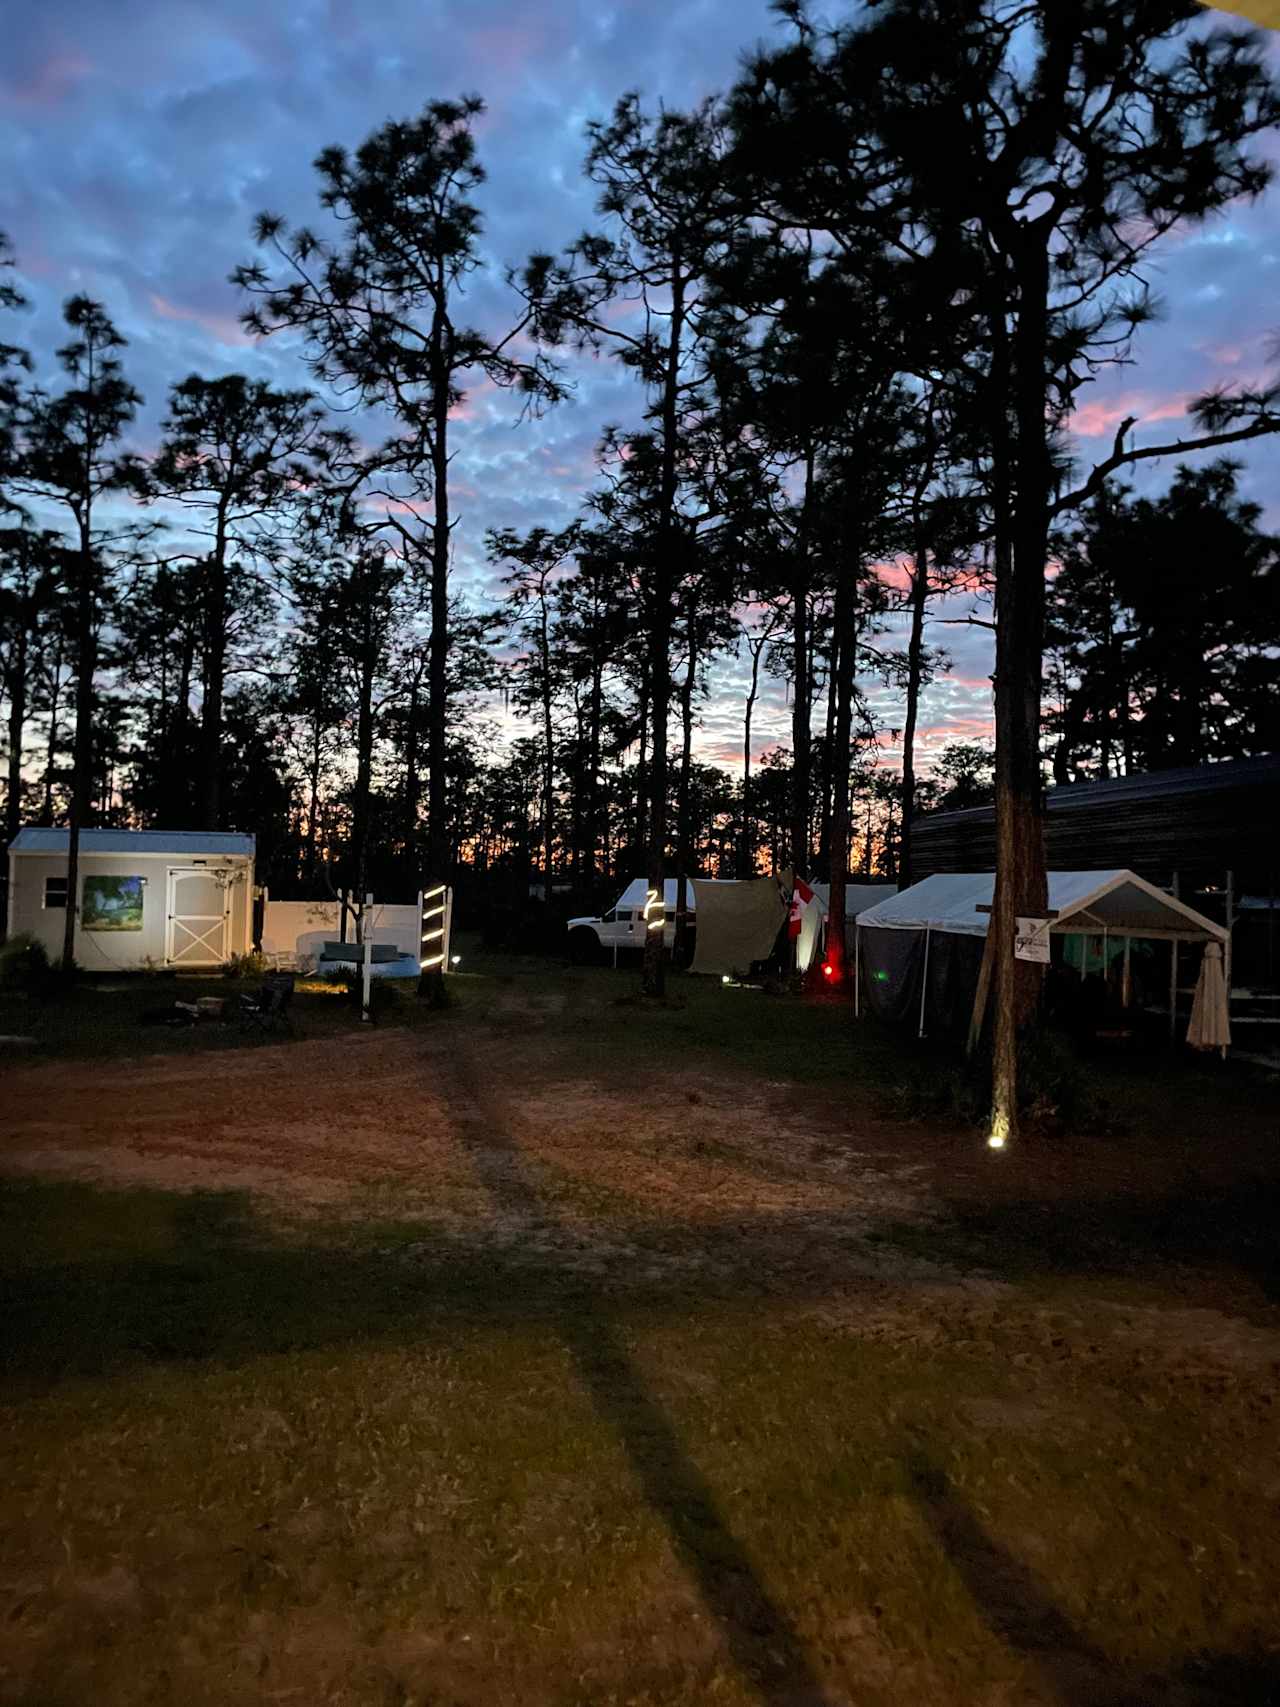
x: 591, y: 1352
x: 105, y: 1016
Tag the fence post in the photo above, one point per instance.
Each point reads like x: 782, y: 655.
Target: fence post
x: 366, y: 955
x: 435, y: 908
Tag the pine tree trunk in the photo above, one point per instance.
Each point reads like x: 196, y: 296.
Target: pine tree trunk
x: 82, y: 742
x: 17, y: 689
x: 1021, y: 887
x: 915, y: 671
x: 177, y: 789
x: 915, y: 656
x: 411, y: 778
x: 746, y: 850
x: 51, y: 743
x: 663, y: 579
x: 592, y: 845
x: 548, y: 750
x: 437, y: 674
x: 313, y: 798
x: 844, y: 668
x: 801, y: 732
x: 364, y: 754
x: 684, y: 830
x: 660, y: 625
x: 642, y: 768
x: 215, y: 674
x: 824, y: 832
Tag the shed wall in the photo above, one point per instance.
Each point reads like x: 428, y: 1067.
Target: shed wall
x: 117, y: 951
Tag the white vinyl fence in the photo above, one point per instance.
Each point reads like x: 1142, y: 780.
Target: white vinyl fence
x: 294, y: 932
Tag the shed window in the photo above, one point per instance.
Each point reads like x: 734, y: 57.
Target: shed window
x: 55, y: 892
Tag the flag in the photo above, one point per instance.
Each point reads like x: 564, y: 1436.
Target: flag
x: 801, y: 896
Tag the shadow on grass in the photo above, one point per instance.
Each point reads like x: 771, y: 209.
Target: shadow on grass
x: 758, y: 1633
x: 1016, y: 1607
x: 1119, y: 1233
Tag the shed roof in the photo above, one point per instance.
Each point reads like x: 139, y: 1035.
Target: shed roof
x: 1119, y: 901
x: 1197, y: 820
x: 192, y: 844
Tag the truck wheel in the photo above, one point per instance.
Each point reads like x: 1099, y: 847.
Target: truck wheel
x: 584, y: 947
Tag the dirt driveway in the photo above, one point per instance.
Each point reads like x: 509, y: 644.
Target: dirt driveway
x: 492, y: 1132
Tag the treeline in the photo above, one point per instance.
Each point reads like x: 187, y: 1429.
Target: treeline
x: 858, y: 296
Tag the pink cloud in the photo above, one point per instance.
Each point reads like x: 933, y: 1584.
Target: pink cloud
x: 469, y: 408
x: 49, y: 85
x: 1097, y: 419
x: 224, y: 327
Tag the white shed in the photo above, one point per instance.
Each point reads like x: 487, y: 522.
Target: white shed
x: 147, y: 897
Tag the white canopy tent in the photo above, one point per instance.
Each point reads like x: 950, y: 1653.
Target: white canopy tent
x: 957, y: 905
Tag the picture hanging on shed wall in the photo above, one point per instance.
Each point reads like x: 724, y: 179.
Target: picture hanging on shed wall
x: 111, y: 904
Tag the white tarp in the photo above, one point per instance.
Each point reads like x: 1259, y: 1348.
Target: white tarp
x: 1120, y: 902
x: 738, y: 924
x: 857, y: 898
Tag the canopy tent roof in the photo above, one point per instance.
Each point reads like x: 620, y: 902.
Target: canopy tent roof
x: 35, y: 839
x: 857, y: 896
x: 634, y: 894
x: 1117, y: 901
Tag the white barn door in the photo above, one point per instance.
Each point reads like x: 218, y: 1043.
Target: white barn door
x: 199, y: 919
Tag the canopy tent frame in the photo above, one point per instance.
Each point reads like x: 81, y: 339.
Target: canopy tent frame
x: 1077, y: 913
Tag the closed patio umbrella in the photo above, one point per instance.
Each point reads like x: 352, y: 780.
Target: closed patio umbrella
x: 1210, y: 1026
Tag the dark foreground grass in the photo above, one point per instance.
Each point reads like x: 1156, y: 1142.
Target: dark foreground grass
x: 397, y: 1463
x: 238, y: 1468
x: 105, y: 1018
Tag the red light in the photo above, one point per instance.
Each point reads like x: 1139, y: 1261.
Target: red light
x: 828, y: 970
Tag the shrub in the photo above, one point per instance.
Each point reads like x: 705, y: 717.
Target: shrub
x: 1054, y: 1091
x: 245, y: 965
x: 24, y: 964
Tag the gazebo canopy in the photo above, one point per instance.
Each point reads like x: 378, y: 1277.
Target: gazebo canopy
x: 1082, y: 901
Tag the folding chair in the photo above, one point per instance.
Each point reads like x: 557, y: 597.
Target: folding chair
x: 268, y: 1010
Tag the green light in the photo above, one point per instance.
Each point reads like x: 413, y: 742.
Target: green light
x: 881, y: 977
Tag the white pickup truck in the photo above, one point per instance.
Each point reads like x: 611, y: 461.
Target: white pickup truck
x: 622, y: 927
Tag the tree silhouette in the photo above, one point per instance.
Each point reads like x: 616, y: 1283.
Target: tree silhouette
x: 234, y: 453
x: 379, y: 305
x: 664, y: 197
x: 70, y: 460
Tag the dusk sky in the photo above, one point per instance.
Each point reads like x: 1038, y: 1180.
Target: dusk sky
x: 141, y: 137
